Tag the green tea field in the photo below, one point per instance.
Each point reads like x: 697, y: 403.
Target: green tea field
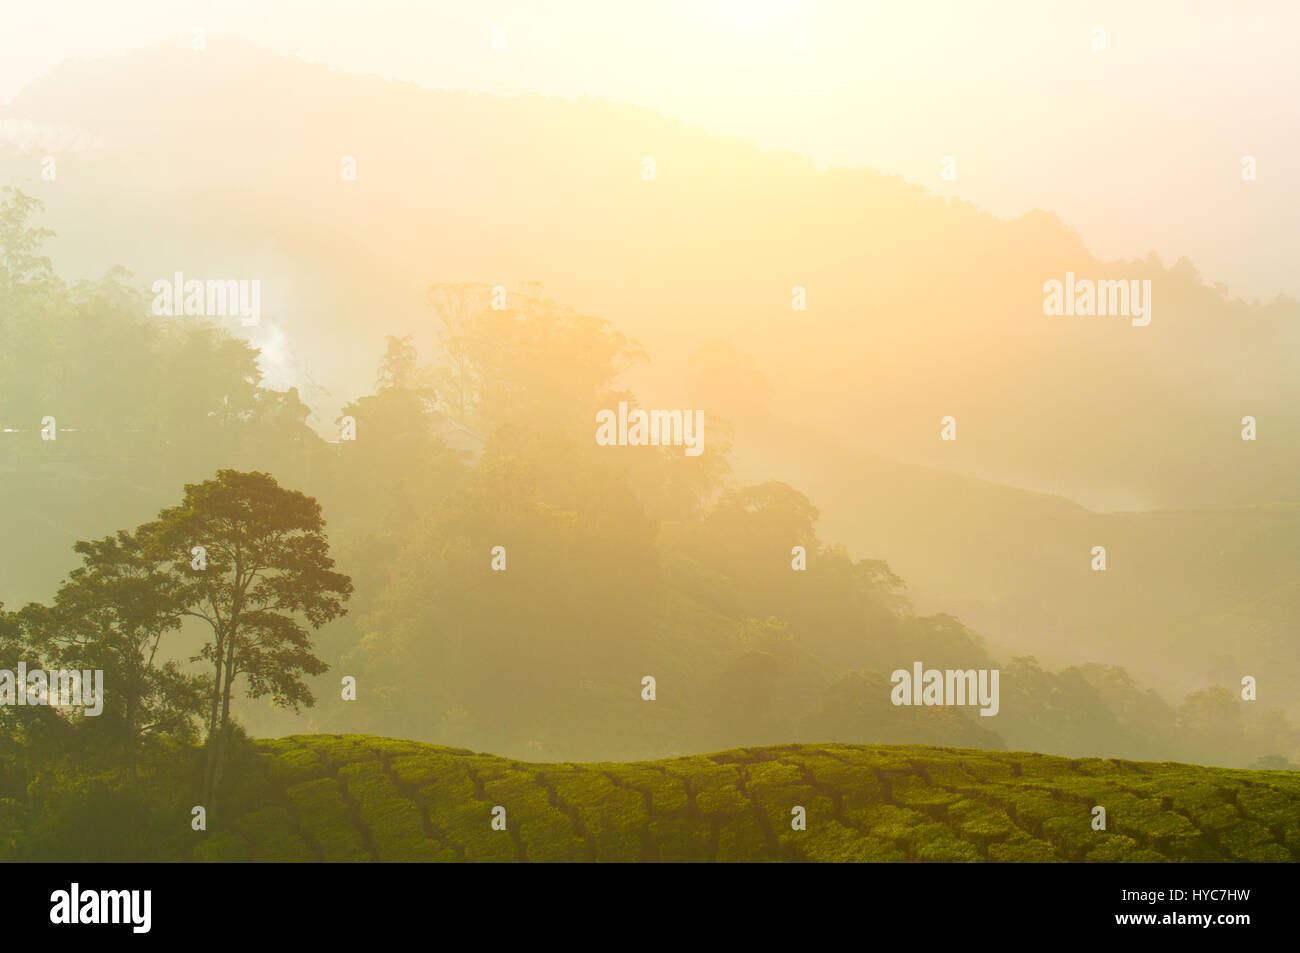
x: 361, y: 798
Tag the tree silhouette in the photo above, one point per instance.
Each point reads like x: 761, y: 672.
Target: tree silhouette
x: 264, y: 565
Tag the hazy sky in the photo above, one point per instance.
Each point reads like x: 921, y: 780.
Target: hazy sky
x: 1138, y: 145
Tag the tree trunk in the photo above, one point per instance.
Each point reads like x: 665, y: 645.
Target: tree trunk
x: 223, y: 729
x: 130, y: 739
x: 209, y: 763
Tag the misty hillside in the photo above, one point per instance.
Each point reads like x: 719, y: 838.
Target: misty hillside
x: 215, y: 165
x: 1189, y: 596
x: 917, y: 307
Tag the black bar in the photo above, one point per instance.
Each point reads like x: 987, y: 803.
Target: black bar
x: 977, y: 903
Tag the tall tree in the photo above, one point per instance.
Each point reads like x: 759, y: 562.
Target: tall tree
x: 20, y: 243
x: 251, y: 559
x: 521, y: 358
x: 400, y: 368
x: 456, y: 306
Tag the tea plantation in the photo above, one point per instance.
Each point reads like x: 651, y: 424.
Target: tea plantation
x: 360, y: 798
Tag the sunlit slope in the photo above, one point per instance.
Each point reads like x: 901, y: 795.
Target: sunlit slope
x: 357, y: 798
x: 918, y: 306
x: 1016, y: 565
